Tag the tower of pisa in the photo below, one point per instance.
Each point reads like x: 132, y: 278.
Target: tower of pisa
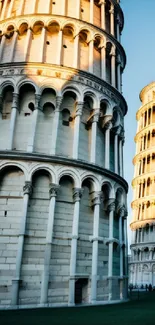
x: 142, y: 264
x: 63, y: 212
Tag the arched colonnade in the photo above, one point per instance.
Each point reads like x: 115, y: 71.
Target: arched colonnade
x: 65, y: 123
x: 48, y: 245
x: 74, y: 47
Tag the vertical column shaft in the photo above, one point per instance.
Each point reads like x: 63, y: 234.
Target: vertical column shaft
x: 49, y: 237
x: 77, y: 197
x: 116, y: 151
x: 13, y: 118
x: 21, y: 7
x: 96, y: 203
x: 4, y: 9
x: 113, y: 66
x: 10, y: 8
x: 31, y: 143
x: 43, y: 39
x: 77, y: 129
x: 112, y: 23
x: 76, y: 52
x: 15, y: 283
x: 59, y: 48
x: 111, y: 209
x: 27, y: 44
x: 103, y: 17
x: 2, y: 47
x: 103, y: 63
x: 14, y: 41
x: 94, y: 137
x: 56, y: 124
x: 91, y: 11
x: 91, y: 56
x: 107, y: 145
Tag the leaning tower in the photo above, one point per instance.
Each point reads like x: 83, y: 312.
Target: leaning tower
x: 142, y: 264
x: 62, y: 192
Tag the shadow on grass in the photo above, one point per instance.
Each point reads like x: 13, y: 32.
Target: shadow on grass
x: 134, y: 312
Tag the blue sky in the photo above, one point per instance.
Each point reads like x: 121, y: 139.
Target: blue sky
x: 138, y: 39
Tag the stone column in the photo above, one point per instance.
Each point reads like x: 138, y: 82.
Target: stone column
x: 126, y: 254
x: 94, y: 137
x: 2, y: 47
x: 78, y: 2
x: 27, y: 44
x: 91, y: 11
x: 111, y: 209
x: 112, y: 21
x: 113, y: 66
x: 56, y: 124
x: 14, y: 41
x: 10, y: 8
x: 121, y: 215
x: 77, y: 129
x: 35, y: 113
x: 59, y: 48
x: 103, y: 3
x: 121, y: 142
x: 76, y: 52
x: 103, y: 62
x: 77, y: 194
x: 116, y: 149
x: 48, y: 247
x: 21, y: 7
x: 4, y: 10
x: 43, y: 39
x: 1, y: 6
x: 119, y: 73
x: 96, y: 203
x: 91, y: 56
x: 33, y: 6
x: 118, y: 29
x: 107, y: 145
x: 27, y: 191
x: 13, y: 118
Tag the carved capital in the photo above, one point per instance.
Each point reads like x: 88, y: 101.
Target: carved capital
x: 108, y: 125
x: 15, y: 100
x: 77, y: 194
x: 37, y: 101
x: 79, y: 108
x: 58, y: 102
x: 97, y: 197
x: 27, y: 189
x: 121, y: 211
x: 96, y: 117
x: 53, y: 190
x: 111, y: 206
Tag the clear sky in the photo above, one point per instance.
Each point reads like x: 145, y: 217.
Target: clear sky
x: 138, y: 39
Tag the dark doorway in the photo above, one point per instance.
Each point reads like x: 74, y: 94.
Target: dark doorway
x: 81, y: 286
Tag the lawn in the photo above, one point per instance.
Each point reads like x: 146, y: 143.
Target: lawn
x: 134, y: 312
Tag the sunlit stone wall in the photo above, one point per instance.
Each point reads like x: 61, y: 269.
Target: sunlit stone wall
x: 62, y: 193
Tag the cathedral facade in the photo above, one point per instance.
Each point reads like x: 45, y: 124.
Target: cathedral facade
x: 142, y: 261
x: 63, y: 212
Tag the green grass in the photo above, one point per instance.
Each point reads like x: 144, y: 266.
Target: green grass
x: 134, y: 312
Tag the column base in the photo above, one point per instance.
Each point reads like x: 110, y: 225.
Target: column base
x: 15, y: 291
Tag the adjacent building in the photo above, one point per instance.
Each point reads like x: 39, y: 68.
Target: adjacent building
x: 62, y: 192
x: 142, y: 263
